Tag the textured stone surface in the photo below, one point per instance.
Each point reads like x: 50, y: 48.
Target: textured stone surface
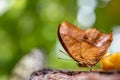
x: 74, y: 75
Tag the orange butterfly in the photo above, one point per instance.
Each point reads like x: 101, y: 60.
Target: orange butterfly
x: 86, y: 47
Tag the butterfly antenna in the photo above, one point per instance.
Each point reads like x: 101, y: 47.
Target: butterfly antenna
x: 66, y: 55
x: 64, y: 58
x: 63, y: 52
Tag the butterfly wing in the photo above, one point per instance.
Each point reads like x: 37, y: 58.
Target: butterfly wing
x: 95, y: 45
x: 83, y: 46
x: 70, y: 37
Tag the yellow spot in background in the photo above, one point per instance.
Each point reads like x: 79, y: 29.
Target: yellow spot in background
x: 111, y: 62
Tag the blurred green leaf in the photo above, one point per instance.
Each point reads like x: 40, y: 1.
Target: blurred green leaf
x: 107, y: 16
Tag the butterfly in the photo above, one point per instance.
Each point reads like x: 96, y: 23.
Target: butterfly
x: 86, y: 47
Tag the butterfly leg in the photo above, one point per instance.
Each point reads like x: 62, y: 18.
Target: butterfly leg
x: 90, y: 67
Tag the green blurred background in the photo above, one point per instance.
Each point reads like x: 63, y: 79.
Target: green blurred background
x: 28, y: 24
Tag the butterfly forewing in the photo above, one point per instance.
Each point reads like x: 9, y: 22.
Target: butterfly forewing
x: 70, y: 38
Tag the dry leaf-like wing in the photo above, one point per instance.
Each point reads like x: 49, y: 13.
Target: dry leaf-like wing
x: 85, y: 47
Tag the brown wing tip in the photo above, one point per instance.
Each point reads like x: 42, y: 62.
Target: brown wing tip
x: 67, y: 24
x: 63, y: 27
x: 64, y: 23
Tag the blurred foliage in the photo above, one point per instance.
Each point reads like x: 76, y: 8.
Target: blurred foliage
x: 33, y: 23
x: 107, y: 15
x: 28, y: 24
